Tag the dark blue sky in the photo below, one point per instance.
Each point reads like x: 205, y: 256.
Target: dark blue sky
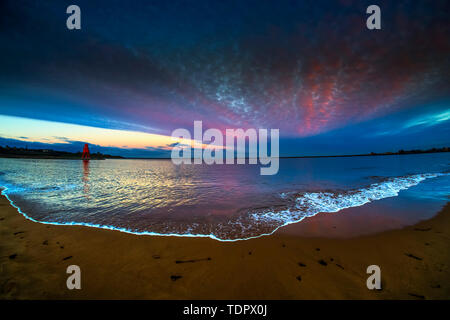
x: 309, y: 68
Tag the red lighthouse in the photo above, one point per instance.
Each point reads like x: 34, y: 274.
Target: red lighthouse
x: 86, y: 155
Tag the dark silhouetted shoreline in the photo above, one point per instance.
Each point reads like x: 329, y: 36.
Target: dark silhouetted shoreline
x: 13, y: 152
x: 400, y: 152
x: 25, y: 153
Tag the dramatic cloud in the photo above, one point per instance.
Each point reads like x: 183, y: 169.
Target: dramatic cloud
x: 309, y: 68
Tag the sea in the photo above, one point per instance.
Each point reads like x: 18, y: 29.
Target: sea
x: 153, y: 197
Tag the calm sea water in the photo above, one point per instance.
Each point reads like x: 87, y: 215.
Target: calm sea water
x: 224, y: 202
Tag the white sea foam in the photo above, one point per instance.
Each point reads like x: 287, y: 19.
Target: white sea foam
x: 310, y: 203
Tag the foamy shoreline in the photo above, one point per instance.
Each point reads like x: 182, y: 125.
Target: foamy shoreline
x: 304, y: 206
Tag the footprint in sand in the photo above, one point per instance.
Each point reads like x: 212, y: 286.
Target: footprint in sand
x: 412, y: 256
x: 322, y: 262
x: 417, y: 296
x: 340, y: 266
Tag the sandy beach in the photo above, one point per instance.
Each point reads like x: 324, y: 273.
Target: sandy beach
x: 414, y: 264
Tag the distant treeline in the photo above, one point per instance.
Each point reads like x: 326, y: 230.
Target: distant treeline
x: 13, y: 152
x: 399, y: 152
x: 433, y: 150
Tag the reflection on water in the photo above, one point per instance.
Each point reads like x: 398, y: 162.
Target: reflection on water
x: 221, y: 201
x: 86, y: 178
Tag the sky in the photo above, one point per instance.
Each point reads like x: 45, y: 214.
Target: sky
x: 137, y: 70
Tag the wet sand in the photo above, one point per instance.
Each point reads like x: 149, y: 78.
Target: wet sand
x: 414, y: 263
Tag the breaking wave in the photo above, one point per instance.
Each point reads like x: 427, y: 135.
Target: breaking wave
x: 308, y: 204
